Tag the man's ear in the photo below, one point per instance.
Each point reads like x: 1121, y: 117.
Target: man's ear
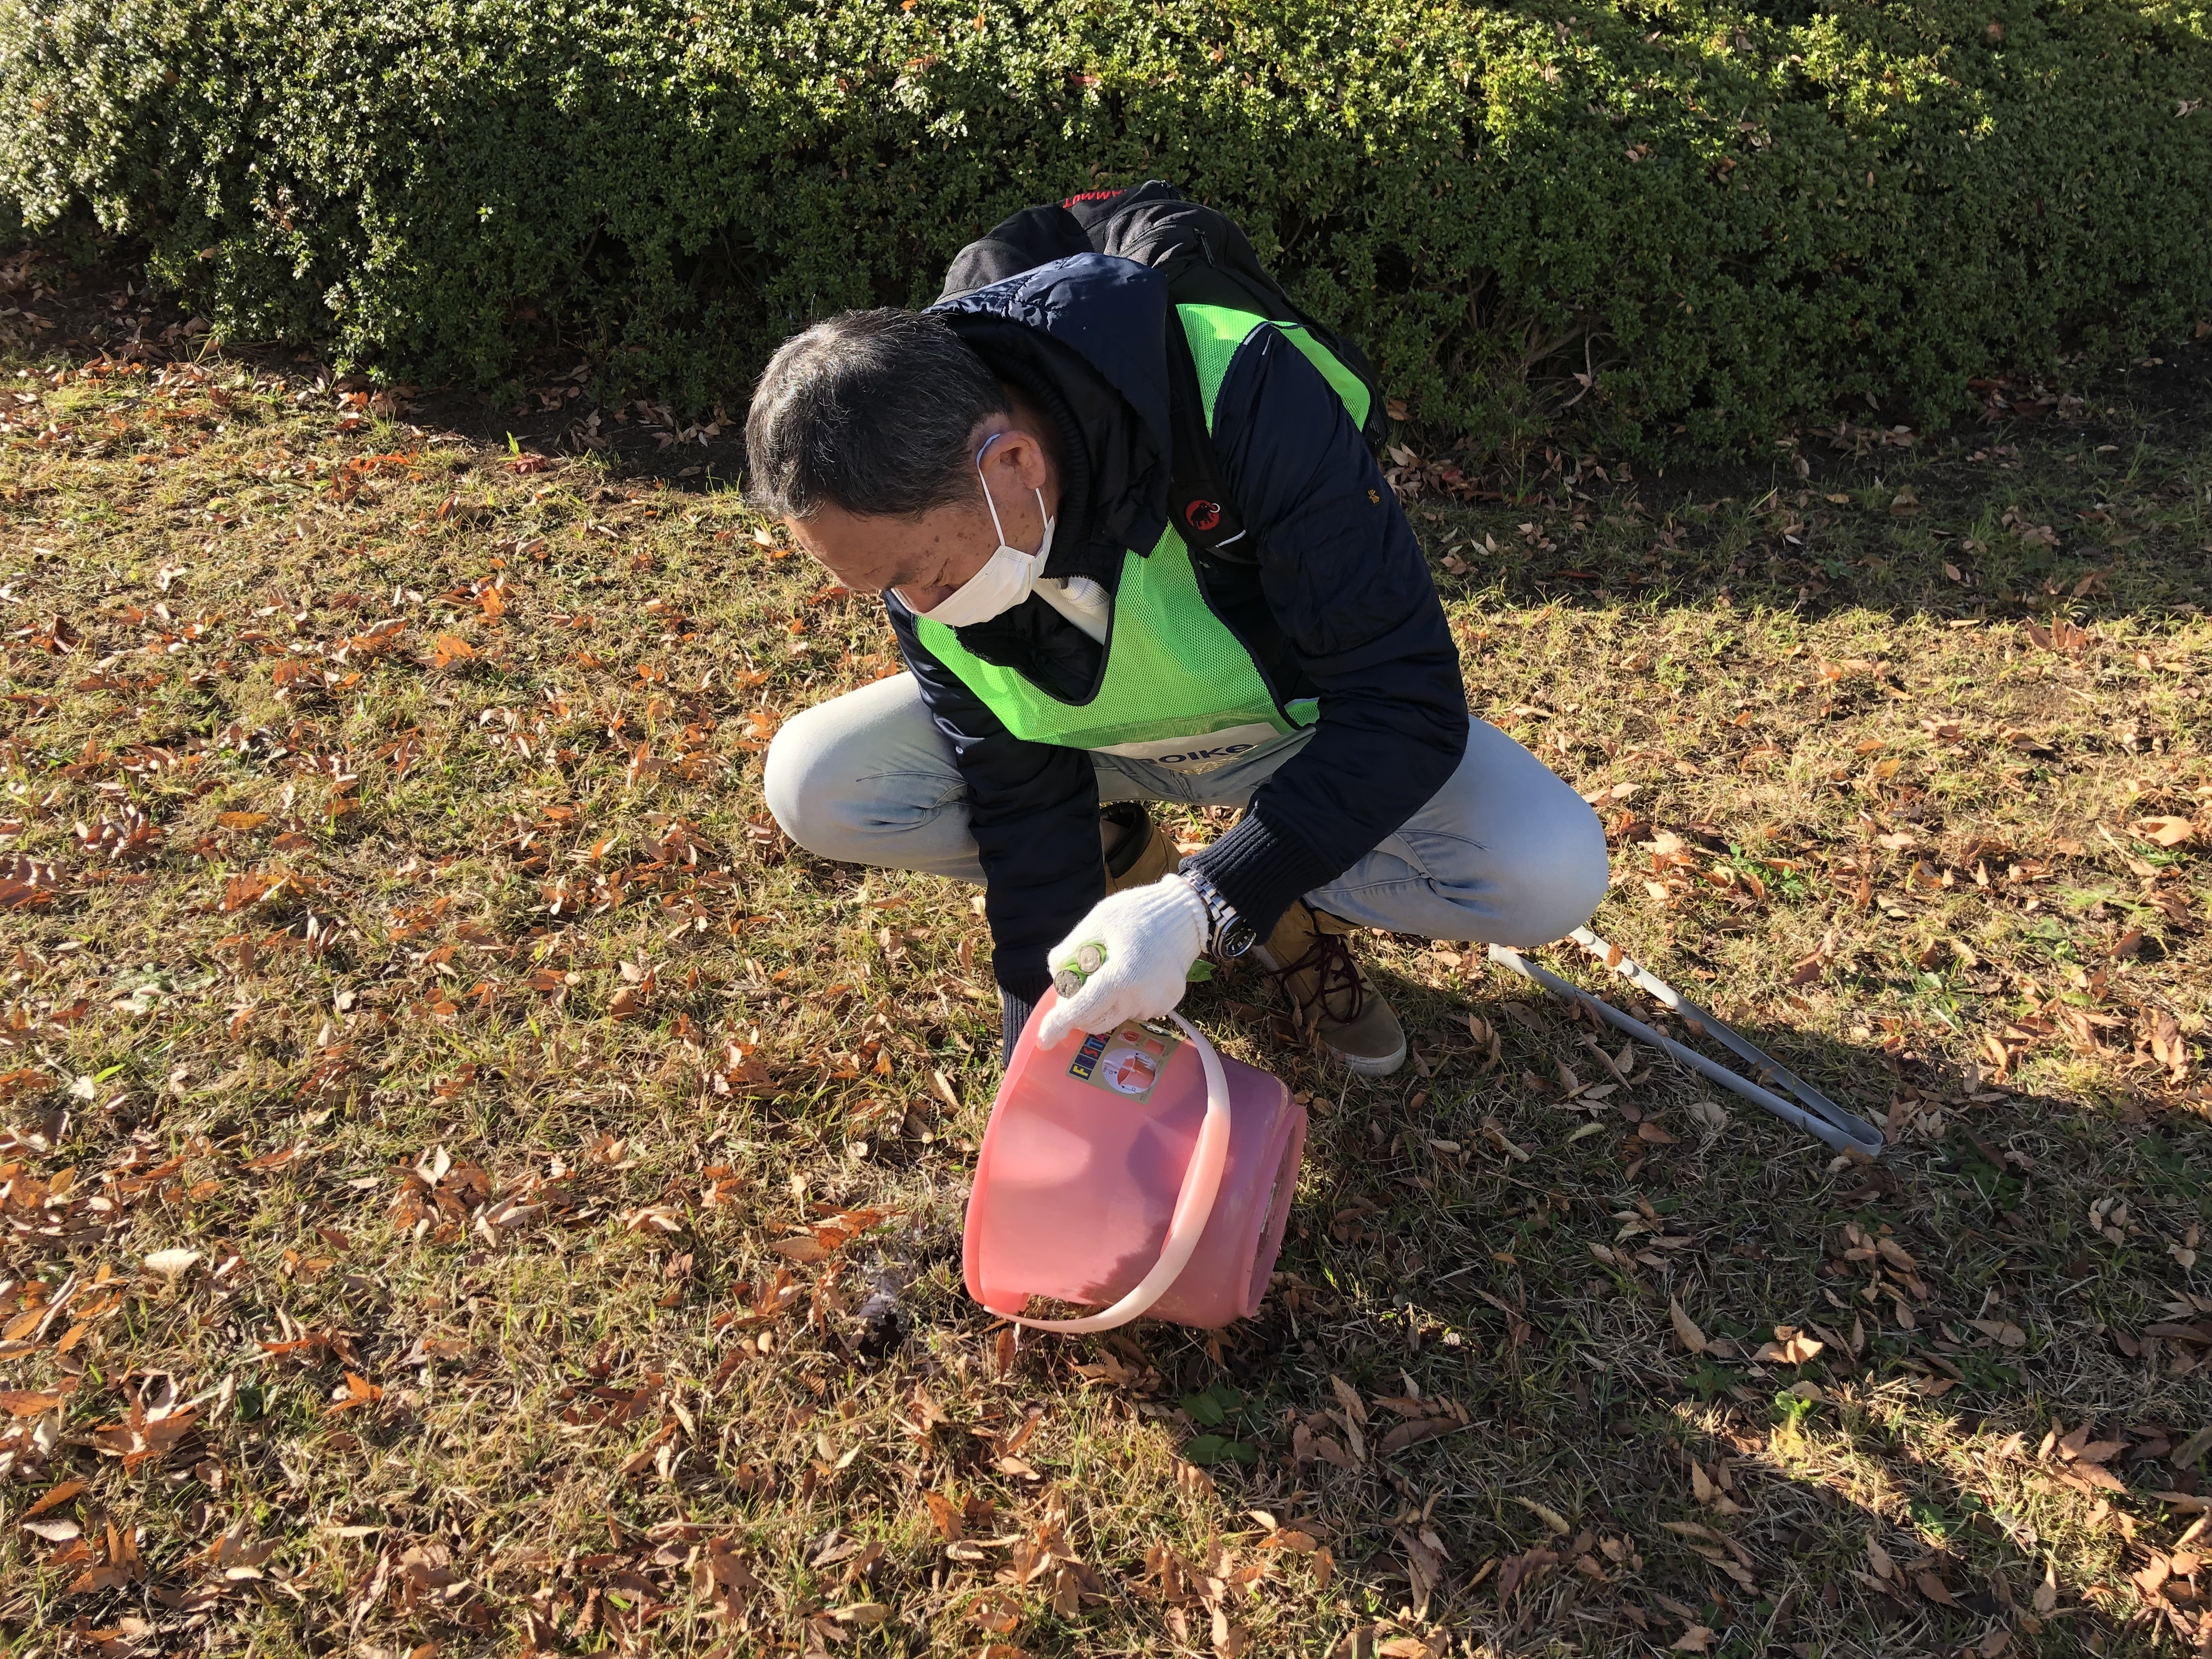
x: 1024, y: 455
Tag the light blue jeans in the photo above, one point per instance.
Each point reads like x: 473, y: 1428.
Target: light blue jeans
x: 1504, y: 853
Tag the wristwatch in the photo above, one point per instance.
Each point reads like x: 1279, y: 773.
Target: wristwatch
x: 1230, y: 934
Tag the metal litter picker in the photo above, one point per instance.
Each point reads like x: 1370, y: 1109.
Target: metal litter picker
x: 1812, y: 1111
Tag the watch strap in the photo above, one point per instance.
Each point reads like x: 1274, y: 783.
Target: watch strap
x: 1223, y: 921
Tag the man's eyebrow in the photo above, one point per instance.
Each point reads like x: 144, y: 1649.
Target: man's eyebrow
x: 907, y: 576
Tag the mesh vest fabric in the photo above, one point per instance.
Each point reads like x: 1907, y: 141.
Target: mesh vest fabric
x: 1172, y: 668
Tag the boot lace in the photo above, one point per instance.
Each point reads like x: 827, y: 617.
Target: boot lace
x: 1329, y: 959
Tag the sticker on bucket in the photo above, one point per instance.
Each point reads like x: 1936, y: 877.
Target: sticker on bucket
x: 1127, y: 1062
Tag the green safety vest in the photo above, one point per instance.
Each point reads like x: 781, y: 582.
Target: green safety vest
x: 1178, y: 689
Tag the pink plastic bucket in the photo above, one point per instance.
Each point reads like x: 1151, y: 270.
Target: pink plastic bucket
x: 1096, y: 1147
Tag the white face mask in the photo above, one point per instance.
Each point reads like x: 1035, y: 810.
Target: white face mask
x: 1006, y: 579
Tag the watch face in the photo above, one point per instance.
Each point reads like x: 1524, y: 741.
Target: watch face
x: 1237, y: 938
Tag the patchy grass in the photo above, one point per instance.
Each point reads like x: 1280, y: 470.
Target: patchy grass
x: 471, y: 1182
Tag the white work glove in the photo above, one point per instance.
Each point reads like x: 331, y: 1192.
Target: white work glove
x: 1134, y: 951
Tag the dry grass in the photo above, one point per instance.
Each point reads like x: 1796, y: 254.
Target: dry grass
x: 396, y: 929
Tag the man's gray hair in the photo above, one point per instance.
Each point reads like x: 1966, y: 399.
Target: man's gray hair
x: 870, y: 412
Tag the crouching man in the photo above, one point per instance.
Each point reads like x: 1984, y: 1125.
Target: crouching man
x: 998, y: 466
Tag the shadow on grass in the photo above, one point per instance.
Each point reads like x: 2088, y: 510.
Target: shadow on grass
x: 1889, y: 1490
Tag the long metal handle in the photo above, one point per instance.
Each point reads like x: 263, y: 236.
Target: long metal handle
x: 1819, y: 1116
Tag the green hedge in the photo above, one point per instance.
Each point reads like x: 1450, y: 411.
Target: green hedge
x: 1738, y: 213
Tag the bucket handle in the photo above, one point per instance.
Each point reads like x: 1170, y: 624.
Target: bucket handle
x: 1193, y: 1207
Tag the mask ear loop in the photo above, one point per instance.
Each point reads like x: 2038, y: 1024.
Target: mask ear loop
x: 998, y: 529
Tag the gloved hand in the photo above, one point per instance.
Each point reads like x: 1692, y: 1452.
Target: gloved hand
x: 1145, y: 940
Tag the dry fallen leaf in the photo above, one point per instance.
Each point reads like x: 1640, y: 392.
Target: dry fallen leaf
x: 1710, y: 1113
x: 1934, y: 1589
x: 1494, y: 1133
x: 944, y: 1515
x: 1192, y: 1478
x: 1000, y: 1614
x: 55, y: 1497
x: 170, y: 1263
x: 1804, y: 972
x: 1789, y: 1347
x: 1348, y: 1397
x: 831, y: 1234
x: 356, y: 1391
x: 1879, y: 1558
x: 1685, y: 1329
x: 27, y: 882
x: 2164, y: 831
x: 1408, y: 1434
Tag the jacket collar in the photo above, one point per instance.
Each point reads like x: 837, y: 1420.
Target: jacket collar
x: 1083, y: 338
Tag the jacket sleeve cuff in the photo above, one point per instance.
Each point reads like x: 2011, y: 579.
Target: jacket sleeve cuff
x: 1022, y: 974
x: 1261, y: 870
x: 1013, y: 1015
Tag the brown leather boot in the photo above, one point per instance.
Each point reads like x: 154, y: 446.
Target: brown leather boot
x: 1310, y: 951
x: 1142, y: 853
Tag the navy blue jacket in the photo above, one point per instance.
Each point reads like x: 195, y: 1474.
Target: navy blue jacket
x: 1340, y: 607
